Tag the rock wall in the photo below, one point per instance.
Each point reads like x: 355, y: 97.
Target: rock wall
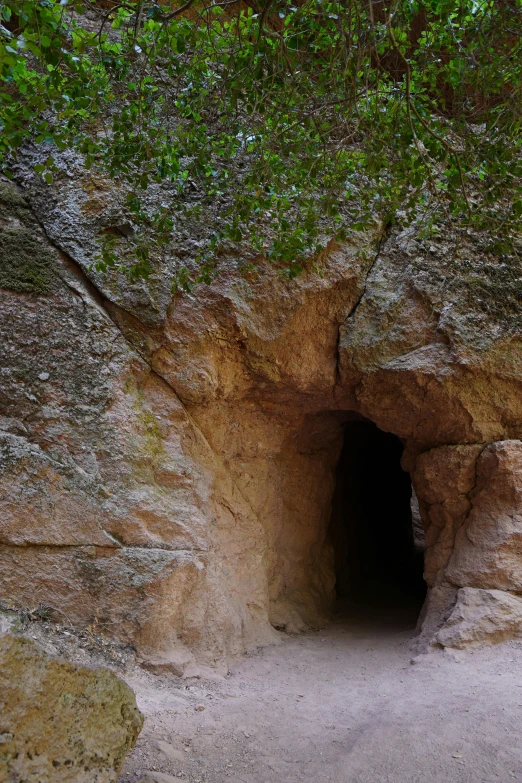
x: 168, y: 460
x: 113, y: 504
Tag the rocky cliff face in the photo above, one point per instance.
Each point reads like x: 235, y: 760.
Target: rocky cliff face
x: 168, y: 460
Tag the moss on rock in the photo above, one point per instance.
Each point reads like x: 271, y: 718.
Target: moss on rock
x: 10, y: 195
x: 26, y: 264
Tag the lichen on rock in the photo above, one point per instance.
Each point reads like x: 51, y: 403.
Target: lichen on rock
x: 60, y: 722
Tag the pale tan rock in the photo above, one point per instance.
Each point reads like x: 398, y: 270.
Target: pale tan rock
x: 60, y: 722
x: 488, y: 546
x: 439, y: 603
x: 444, y: 473
x: 482, y: 617
x: 112, y: 502
x: 443, y: 479
x: 172, y: 662
x: 58, y: 499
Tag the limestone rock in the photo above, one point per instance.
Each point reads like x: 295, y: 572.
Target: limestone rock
x: 61, y: 722
x: 482, y: 616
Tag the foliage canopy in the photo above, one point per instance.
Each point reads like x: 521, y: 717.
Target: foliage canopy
x: 302, y: 119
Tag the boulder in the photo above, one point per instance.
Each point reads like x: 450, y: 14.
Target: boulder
x: 482, y: 617
x: 60, y: 722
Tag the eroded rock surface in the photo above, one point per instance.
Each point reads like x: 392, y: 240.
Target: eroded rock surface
x: 169, y: 459
x: 479, y: 616
x: 60, y: 722
x: 112, y: 498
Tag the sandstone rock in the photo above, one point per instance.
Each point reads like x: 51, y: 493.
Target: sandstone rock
x: 419, y: 534
x: 175, y: 661
x: 445, y: 473
x: 61, y: 722
x: 482, y: 616
x: 438, y: 606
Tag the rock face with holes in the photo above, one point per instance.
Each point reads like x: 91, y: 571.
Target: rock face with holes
x: 168, y: 460
x: 60, y: 722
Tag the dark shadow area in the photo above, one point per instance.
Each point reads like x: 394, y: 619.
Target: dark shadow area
x: 378, y: 559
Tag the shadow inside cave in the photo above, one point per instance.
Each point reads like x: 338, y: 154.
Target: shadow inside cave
x: 376, y: 532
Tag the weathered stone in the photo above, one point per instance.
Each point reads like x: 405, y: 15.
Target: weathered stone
x: 61, y: 722
x: 27, y: 261
x: 112, y: 499
x: 438, y: 606
x: 488, y: 547
x: 443, y: 479
x: 173, y: 473
x: 482, y: 616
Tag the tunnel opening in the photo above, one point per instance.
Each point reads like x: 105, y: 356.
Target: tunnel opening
x: 375, y: 528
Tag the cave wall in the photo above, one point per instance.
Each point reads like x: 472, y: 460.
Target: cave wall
x: 168, y: 460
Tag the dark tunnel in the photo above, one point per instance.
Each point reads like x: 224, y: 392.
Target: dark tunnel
x: 375, y: 529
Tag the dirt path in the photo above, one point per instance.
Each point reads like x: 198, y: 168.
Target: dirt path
x: 344, y: 705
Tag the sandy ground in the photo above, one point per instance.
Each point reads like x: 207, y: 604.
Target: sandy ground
x: 345, y: 704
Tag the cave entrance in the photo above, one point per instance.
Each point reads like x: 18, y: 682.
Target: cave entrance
x: 375, y: 528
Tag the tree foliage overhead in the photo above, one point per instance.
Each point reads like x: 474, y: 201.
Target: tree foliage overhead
x: 301, y: 119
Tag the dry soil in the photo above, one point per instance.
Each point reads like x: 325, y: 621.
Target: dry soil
x: 351, y: 703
